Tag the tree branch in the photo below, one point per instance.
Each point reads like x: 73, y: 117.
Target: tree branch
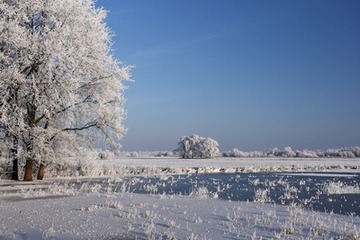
x: 86, y: 126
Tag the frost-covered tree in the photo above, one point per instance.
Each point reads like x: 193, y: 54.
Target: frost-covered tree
x: 288, y: 152
x: 197, y: 147
x: 59, y: 82
x: 235, y: 152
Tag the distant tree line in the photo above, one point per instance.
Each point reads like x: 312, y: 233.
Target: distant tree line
x: 349, y: 152
x: 195, y: 146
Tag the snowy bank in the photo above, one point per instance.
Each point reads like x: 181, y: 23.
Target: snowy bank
x: 171, y: 165
x: 141, y: 216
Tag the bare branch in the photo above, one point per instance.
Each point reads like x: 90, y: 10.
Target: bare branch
x: 86, y: 126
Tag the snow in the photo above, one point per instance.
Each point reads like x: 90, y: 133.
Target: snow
x: 319, y: 174
x: 72, y: 208
x: 131, y: 216
x: 235, y: 162
x: 232, y: 165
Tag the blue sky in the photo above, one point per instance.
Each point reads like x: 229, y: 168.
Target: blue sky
x: 249, y: 74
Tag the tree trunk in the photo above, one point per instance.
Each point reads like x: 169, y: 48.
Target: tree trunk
x: 28, y: 169
x: 13, y: 155
x: 41, y: 172
x: 15, y: 169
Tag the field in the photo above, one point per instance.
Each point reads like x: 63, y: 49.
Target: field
x: 170, y: 198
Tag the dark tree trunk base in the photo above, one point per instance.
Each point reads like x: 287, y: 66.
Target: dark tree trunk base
x: 41, y: 172
x: 15, y: 175
x: 28, y: 170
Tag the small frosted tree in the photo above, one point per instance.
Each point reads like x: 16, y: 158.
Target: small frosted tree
x: 197, y: 147
x: 288, y: 152
x: 59, y: 82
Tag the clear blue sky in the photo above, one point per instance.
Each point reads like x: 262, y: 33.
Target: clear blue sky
x: 249, y: 74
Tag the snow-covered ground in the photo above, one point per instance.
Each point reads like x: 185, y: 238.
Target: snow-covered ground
x: 233, y: 165
x: 141, y: 216
x: 71, y: 208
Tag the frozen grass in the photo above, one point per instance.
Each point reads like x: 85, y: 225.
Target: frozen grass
x: 340, y: 188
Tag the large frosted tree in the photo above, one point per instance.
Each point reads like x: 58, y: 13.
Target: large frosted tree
x: 59, y: 82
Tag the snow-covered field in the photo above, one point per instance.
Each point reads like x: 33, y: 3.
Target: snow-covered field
x: 79, y: 208
x: 139, y: 216
x: 179, y: 166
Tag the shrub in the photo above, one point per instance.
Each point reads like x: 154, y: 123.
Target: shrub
x: 236, y: 153
x: 288, y: 152
x: 197, y: 147
x: 106, y: 155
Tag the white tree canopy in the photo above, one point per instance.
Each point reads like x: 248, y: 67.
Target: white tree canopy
x: 58, y: 76
x: 197, y: 147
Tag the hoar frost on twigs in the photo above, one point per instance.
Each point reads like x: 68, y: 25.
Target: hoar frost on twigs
x: 59, y: 83
x: 197, y: 147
